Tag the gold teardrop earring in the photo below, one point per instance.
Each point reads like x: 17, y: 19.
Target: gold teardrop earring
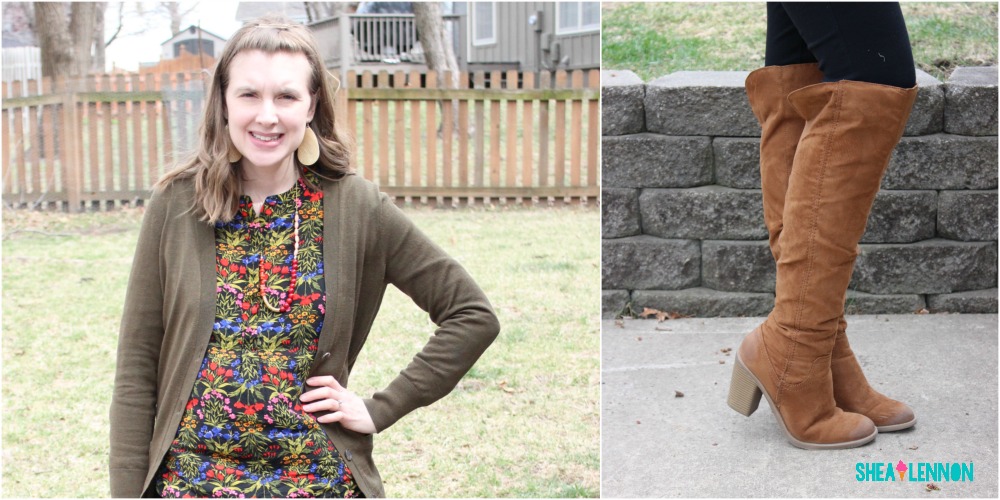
x: 234, y: 154
x: 308, y: 152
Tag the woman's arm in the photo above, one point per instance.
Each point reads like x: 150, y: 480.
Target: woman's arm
x: 133, y: 402
x: 439, y: 285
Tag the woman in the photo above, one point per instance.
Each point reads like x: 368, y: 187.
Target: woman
x: 260, y: 267
x: 832, y: 102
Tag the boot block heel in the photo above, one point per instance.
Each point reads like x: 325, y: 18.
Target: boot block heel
x: 744, y: 394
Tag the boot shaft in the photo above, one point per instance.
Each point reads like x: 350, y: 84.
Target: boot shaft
x: 781, y: 126
x: 850, y: 131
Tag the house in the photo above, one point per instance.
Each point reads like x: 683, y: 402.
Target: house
x: 532, y: 36
x: 22, y: 59
x: 188, y: 40
x: 522, y: 36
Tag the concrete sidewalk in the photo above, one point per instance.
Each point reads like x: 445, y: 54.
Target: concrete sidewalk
x: 657, y: 445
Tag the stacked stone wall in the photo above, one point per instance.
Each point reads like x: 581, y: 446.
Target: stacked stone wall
x: 682, y: 216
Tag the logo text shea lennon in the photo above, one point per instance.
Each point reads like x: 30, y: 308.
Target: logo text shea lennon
x: 919, y: 471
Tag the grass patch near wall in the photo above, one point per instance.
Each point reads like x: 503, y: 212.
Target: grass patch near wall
x: 523, y: 423
x: 655, y: 39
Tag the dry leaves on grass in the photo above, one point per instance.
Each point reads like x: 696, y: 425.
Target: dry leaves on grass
x: 922, y: 311
x: 660, y: 315
x: 678, y: 394
x: 505, y: 388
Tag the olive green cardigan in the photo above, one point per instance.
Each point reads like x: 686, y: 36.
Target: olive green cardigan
x: 368, y: 243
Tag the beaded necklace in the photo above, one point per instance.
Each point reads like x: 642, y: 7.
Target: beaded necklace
x: 286, y: 297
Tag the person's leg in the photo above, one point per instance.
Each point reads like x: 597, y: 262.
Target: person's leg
x: 767, y: 89
x: 859, y: 41
x: 789, y: 66
x: 865, y: 42
x: 784, y: 44
x: 789, y: 357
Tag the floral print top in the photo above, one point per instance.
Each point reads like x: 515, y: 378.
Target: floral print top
x: 244, y: 433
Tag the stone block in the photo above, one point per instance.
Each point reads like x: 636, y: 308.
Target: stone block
x: 704, y: 302
x: 943, y: 161
x: 971, y: 101
x: 737, y: 162
x: 619, y: 212
x: 622, y: 112
x: 974, y: 302
x: 645, y: 262
x: 930, y: 266
x: 866, y: 303
x: 967, y: 215
x: 613, y: 302
x: 709, y: 212
x: 650, y: 160
x: 737, y: 266
x: 927, y: 115
x: 700, y: 103
x: 901, y: 217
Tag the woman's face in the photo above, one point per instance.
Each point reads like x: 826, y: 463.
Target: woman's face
x: 268, y: 105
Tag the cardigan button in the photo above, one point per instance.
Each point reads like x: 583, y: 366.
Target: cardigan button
x: 348, y: 455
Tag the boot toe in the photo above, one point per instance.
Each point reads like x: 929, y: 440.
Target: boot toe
x: 862, y: 429
x: 841, y: 430
x: 893, y: 416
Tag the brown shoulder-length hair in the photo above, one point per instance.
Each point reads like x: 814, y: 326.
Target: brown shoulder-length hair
x: 217, y: 182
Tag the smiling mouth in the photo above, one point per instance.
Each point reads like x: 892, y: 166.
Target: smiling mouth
x: 267, y: 137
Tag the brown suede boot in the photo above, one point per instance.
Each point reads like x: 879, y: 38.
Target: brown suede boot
x: 768, y: 89
x: 850, y: 131
x: 780, y: 130
x: 853, y: 393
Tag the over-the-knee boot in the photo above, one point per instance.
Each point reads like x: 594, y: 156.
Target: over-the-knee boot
x: 850, y: 131
x: 768, y: 89
x: 780, y: 129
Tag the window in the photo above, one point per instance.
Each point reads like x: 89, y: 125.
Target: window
x: 577, y: 17
x: 484, y: 25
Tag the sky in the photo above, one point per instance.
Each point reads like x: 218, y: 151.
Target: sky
x: 153, y: 28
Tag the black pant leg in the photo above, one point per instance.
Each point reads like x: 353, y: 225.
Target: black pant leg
x: 861, y: 41
x: 784, y: 43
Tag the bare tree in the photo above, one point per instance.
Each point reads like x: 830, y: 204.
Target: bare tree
x: 434, y: 37
x: 65, y: 41
x: 83, y: 17
x: 121, y: 23
x: 174, y: 9
x: 97, y: 64
x: 317, y: 11
x: 177, y: 14
x: 52, y: 30
x: 437, y: 45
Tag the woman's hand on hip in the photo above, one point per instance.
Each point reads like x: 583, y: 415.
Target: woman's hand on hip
x: 345, y: 406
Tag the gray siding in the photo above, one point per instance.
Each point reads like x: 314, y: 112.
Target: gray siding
x: 584, y: 49
x: 519, y: 46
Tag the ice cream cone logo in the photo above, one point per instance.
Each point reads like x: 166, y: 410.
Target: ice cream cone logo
x: 901, y: 469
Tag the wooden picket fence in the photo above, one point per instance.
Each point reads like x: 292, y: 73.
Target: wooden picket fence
x: 489, y: 138
x: 508, y: 136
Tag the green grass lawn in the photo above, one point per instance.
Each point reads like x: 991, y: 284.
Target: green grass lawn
x: 655, y: 39
x: 523, y: 423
